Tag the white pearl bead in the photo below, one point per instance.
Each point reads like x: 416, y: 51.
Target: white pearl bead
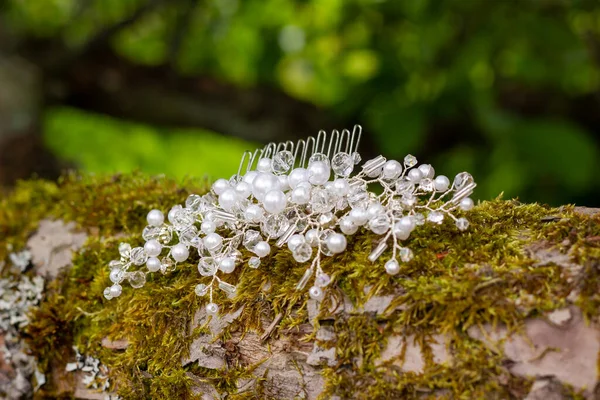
x: 180, y: 252
x: 401, y: 232
x: 264, y: 165
x: 262, y: 249
x: 392, y: 169
x: 254, y: 213
x: 359, y: 216
x: 220, y: 186
x: 341, y: 187
x: 274, y: 201
x: 153, y: 264
x: 296, y: 176
x: 155, y: 218
x: 374, y: 210
x: 407, y: 224
x: 228, y: 199
x: 115, y: 290
x: 264, y: 183
x: 212, y: 308
x: 243, y: 190
x: 442, y: 183
x: 312, y: 237
x: 466, y: 204
x: 336, y: 243
x: 300, y: 195
x: 172, y: 212
x: 347, y: 226
x: 427, y: 171
x: 294, y: 241
x: 316, y: 293
x: 318, y: 173
x: 392, y: 267
x: 283, y: 182
x: 227, y: 265
x: 152, y: 248
x: 249, y: 177
x: 213, y: 241
x: 415, y: 175
x: 208, y: 226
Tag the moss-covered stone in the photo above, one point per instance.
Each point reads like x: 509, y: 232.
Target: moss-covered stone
x: 456, y: 280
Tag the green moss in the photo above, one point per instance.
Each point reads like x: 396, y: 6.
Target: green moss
x: 455, y: 281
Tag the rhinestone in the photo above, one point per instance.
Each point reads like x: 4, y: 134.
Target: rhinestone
x: 137, y: 279
x: 342, y: 164
x: 283, y: 162
x: 410, y: 161
x: 436, y: 217
x: 201, y: 289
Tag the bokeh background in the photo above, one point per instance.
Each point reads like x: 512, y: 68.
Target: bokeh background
x: 505, y: 89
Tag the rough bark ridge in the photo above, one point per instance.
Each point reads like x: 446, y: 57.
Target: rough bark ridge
x: 356, y: 343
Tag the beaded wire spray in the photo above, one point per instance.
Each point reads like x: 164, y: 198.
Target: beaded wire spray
x: 282, y: 194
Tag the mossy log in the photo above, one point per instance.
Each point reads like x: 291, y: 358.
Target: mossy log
x: 507, y: 310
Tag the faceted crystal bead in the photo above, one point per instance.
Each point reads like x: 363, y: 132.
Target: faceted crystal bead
x: 183, y: 219
x: 404, y: 186
x: 462, y: 224
x: 251, y: 238
x: 283, y: 162
x: 426, y: 185
x: 275, y: 225
x: 461, y: 180
x: 321, y: 200
x: 436, y: 217
x: 137, y: 279
x: 327, y: 219
x: 107, y: 294
x: 227, y: 288
x: 356, y: 157
x: 358, y: 197
x: 408, y: 201
x: 150, y: 232
x: 201, y: 289
x: 187, y: 236
x: 322, y: 280
x: 194, y: 203
x: 318, y: 157
x: 167, y: 265
x: 380, y: 224
x: 419, y: 219
x: 138, y: 256
x: 410, y: 161
x: 207, y: 266
x: 254, y: 262
x: 302, y: 253
x: 125, y: 250
x: 406, y: 254
x: 323, y: 239
x: 115, y: 264
x: 342, y: 164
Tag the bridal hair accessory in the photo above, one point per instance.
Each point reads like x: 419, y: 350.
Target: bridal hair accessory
x: 284, y: 195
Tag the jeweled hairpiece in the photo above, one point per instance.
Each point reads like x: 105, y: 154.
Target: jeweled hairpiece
x: 284, y: 194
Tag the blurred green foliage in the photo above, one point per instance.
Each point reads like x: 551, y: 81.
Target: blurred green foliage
x: 446, y: 79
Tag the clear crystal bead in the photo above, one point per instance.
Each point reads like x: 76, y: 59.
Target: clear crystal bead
x: 182, y: 219
x: 283, y: 162
x: 323, y: 239
x: 322, y: 280
x: 227, y: 288
x: 194, y: 203
x: 426, y: 185
x: 254, y: 262
x: 406, y: 254
x: 201, y: 289
x: 125, y: 250
x: 327, y: 219
x: 207, y: 266
x: 318, y: 157
x: 107, y: 294
x: 342, y: 164
x: 380, y: 224
x: 275, y: 225
x: 404, y: 186
x: 138, y: 256
x: 187, y: 236
x: 356, y: 157
x: 150, y: 232
x: 302, y: 253
x: 115, y: 264
x: 137, y: 279
x: 167, y: 265
x: 419, y: 219
x: 321, y: 200
x: 462, y: 224
x: 436, y: 217
x: 461, y: 180
x: 408, y: 201
x: 251, y: 238
x: 210, y: 199
x: 410, y: 161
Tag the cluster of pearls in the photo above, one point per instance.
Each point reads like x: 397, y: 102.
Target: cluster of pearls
x: 301, y: 196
